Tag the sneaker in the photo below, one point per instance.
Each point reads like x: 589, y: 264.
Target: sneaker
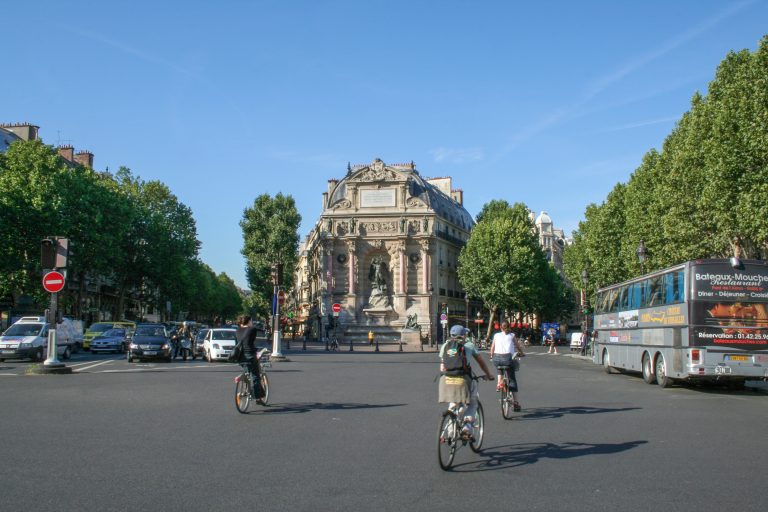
x: 466, y: 430
x: 516, y: 407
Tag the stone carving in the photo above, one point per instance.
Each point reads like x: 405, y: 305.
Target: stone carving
x: 378, y: 275
x: 375, y: 174
x: 342, y: 228
x: 344, y: 203
x: 402, y: 224
x: 425, y: 246
x: 425, y: 225
x: 379, y: 227
x: 415, y: 202
x: 412, y: 322
x: 353, y: 225
x: 414, y: 226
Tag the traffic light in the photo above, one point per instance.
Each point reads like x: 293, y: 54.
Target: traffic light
x: 48, y: 253
x: 54, y: 252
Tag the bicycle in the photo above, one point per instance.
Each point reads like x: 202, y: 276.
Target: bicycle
x: 244, y: 383
x: 506, y: 399
x: 450, y: 436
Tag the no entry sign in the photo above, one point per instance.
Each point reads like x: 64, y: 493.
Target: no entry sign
x: 53, y: 282
x: 336, y: 309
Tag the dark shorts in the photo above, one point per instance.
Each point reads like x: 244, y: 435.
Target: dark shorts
x: 504, y: 362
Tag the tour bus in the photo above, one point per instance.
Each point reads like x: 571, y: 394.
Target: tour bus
x: 701, y: 320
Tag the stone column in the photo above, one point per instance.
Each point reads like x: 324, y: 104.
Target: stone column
x: 403, y: 274
x: 329, y: 272
x: 426, y: 264
x: 352, y: 248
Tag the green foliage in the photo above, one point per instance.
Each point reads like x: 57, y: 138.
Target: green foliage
x: 705, y: 195
x: 504, y: 265
x: 270, y: 236
x: 133, y: 234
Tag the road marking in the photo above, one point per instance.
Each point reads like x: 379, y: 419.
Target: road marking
x: 95, y: 365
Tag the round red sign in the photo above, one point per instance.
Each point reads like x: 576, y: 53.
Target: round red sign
x: 53, y: 281
x: 336, y: 308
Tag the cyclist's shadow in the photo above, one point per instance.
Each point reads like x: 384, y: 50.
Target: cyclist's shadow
x: 515, y: 455
x: 298, y: 408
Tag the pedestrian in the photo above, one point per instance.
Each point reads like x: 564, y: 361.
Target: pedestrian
x: 584, y: 339
x: 551, y: 341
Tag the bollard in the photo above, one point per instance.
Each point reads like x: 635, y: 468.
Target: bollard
x: 377, y: 344
x: 401, y: 345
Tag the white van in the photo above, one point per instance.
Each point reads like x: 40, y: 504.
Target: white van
x: 28, y: 339
x: 575, y: 341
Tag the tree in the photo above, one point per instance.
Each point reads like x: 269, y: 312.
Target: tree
x: 270, y: 236
x: 502, y: 262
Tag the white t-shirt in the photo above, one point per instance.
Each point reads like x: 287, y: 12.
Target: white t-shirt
x: 503, y: 343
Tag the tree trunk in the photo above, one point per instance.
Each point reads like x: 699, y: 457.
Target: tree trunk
x: 491, y: 318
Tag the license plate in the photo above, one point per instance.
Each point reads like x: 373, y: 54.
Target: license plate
x: 8, y: 351
x: 738, y: 358
x: 150, y: 352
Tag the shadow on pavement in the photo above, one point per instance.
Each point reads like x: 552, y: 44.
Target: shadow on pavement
x: 516, y: 455
x: 296, y: 408
x: 545, y: 413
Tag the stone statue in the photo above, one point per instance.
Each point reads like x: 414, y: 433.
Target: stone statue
x: 352, y: 225
x: 426, y: 225
x: 402, y: 224
x: 378, y: 277
x: 412, y: 323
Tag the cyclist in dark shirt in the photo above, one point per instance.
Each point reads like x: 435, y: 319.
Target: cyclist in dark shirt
x: 246, y: 336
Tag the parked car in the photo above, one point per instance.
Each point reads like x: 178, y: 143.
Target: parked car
x: 150, y: 341
x: 199, y: 342
x: 218, y: 344
x: 113, y: 340
x: 28, y: 339
x: 99, y: 328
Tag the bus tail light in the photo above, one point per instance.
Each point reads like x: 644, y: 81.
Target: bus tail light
x: 697, y: 356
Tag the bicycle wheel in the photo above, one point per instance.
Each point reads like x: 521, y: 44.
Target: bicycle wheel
x: 447, y: 437
x: 264, y: 400
x: 478, y: 429
x: 242, y: 394
x: 506, y: 402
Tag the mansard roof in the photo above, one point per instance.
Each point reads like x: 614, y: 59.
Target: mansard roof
x: 378, y: 172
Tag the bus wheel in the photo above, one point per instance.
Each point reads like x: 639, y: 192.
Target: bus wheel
x: 607, y: 362
x: 648, y: 375
x: 661, y: 372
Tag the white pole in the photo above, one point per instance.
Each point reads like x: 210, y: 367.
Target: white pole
x: 52, y: 360
x: 276, y: 341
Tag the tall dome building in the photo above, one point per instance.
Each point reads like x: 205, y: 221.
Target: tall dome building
x: 385, y: 248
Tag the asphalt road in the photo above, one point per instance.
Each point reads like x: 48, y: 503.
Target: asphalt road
x: 357, y: 431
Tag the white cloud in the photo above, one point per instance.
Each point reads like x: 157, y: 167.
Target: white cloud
x: 457, y: 155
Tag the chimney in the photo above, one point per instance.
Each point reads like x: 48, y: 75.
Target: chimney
x: 458, y: 196
x: 84, y: 158
x: 24, y: 131
x: 331, y: 185
x: 67, y: 152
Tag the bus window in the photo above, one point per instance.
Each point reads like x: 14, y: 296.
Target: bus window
x: 636, y: 296
x: 655, y: 297
x: 612, y: 301
x: 623, y: 298
x: 673, y: 287
x: 599, y: 305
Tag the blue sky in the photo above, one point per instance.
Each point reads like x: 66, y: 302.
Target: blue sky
x: 547, y: 103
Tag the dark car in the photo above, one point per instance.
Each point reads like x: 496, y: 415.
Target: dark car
x: 113, y: 340
x: 199, y: 339
x: 150, y: 342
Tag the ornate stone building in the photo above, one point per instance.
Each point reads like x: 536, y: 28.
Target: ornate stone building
x: 386, y: 249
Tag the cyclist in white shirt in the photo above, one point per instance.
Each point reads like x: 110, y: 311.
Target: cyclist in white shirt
x: 503, y: 346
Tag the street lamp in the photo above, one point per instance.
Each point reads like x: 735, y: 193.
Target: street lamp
x: 642, y: 254
x: 466, y: 310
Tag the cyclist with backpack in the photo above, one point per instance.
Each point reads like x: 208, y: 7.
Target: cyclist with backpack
x: 456, y: 386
